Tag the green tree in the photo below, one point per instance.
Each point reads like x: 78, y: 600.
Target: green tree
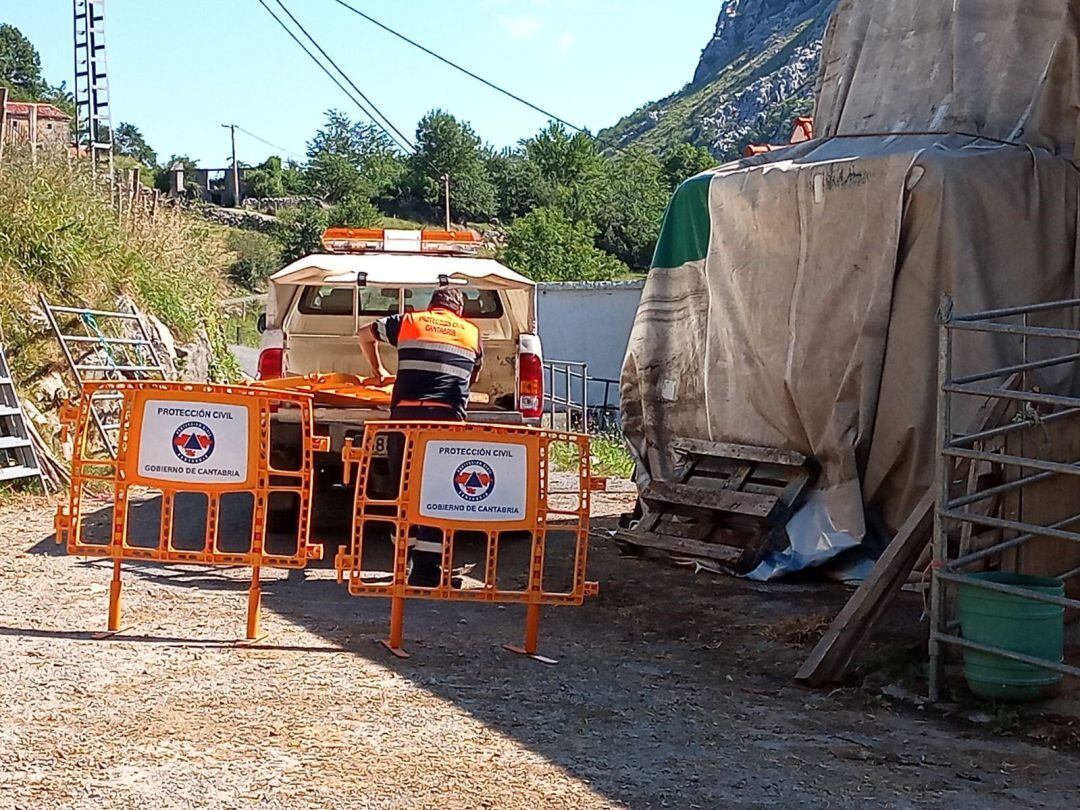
x: 266, y: 179
x: 684, y: 160
x: 636, y: 193
x: 546, y: 246
x: 129, y: 141
x: 349, y: 159
x: 275, y: 178
x: 519, y: 185
x: 299, y: 232
x: 446, y: 146
x: 573, y: 166
x: 20, y: 64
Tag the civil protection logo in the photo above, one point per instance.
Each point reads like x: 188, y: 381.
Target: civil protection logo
x: 474, y: 480
x: 193, y: 442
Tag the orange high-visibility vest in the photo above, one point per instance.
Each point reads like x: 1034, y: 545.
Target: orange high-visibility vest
x: 438, y: 352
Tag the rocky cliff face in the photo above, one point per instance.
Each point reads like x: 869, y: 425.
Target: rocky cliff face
x: 755, y: 76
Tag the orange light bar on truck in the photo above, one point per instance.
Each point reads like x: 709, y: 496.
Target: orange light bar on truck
x: 363, y: 240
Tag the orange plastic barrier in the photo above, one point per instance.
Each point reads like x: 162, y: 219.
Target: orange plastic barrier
x: 200, y: 444
x: 492, y: 488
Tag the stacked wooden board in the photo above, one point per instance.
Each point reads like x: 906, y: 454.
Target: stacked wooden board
x: 727, y: 502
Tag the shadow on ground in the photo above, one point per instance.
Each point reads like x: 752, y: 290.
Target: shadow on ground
x: 671, y: 688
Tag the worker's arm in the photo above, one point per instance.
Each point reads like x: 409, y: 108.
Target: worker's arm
x: 369, y: 348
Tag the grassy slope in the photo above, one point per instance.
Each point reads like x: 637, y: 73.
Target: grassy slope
x: 60, y: 236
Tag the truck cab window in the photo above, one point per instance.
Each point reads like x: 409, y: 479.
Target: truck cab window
x: 479, y: 304
x: 374, y: 301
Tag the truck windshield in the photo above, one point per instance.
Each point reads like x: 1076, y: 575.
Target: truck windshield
x: 378, y: 302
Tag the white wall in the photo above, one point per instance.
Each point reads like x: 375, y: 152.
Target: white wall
x: 588, y: 322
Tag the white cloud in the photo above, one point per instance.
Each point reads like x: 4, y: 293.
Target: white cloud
x: 566, y: 40
x: 523, y: 27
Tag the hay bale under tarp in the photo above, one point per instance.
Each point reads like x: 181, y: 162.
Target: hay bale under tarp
x: 792, y: 298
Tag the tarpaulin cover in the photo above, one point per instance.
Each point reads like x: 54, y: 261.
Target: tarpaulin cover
x: 792, y: 298
x: 996, y: 68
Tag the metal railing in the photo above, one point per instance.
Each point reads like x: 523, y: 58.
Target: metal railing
x: 573, y: 400
x: 1037, y: 355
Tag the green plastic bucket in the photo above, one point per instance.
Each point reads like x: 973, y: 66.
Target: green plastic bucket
x: 1016, y: 624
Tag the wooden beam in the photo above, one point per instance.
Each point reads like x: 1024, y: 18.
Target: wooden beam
x: 742, y: 452
x: 743, y: 503
x: 854, y: 623
x: 677, y: 545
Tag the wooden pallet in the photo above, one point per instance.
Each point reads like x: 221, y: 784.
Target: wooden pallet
x: 728, y: 502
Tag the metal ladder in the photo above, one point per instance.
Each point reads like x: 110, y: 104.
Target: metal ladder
x: 93, y: 125
x: 18, y: 461
x: 108, y: 346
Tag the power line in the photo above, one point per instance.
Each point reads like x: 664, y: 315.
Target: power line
x: 350, y: 82
x: 408, y: 146
x: 467, y: 72
x: 265, y: 142
x: 325, y: 70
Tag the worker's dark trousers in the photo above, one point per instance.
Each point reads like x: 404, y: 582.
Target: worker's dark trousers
x: 426, y: 551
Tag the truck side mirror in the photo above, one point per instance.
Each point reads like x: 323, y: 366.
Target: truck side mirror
x: 260, y: 324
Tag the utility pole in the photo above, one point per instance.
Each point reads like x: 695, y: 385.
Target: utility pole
x: 235, y: 167
x: 446, y: 189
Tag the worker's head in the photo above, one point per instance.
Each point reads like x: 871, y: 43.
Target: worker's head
x: 448, y: 298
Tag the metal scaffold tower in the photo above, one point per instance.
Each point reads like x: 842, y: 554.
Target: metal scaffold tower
x: 93, y: 125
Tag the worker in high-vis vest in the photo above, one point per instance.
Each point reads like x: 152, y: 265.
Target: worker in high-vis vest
x: 439, y: 358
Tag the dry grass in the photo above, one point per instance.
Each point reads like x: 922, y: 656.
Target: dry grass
x: 60, y: 235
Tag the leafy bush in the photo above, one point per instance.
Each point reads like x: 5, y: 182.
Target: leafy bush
x: 299, y: 232
x: 257, y: 257
x: 546, y: 246
x: 354, y: 212
x: 608, y: 457
x: 273, y: 178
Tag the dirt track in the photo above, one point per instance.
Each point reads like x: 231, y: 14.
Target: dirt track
x: 673, y: 691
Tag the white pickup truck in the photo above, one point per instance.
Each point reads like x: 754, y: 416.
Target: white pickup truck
x: 317, y: 305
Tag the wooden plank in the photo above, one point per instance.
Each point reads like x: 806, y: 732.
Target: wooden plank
x: 675, y: 545
x: 738, y: 478
x: 742, y: 452
x: 720, y: 500
x: 697, y: 528
x: 853, y: 625
x: 856, y: 620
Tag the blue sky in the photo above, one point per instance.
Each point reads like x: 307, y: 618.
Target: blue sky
x: 180, y: 69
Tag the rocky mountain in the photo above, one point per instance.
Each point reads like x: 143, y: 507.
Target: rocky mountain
x: 755, y: 76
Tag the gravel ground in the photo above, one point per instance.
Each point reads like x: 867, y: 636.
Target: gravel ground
x: 673, y: 690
